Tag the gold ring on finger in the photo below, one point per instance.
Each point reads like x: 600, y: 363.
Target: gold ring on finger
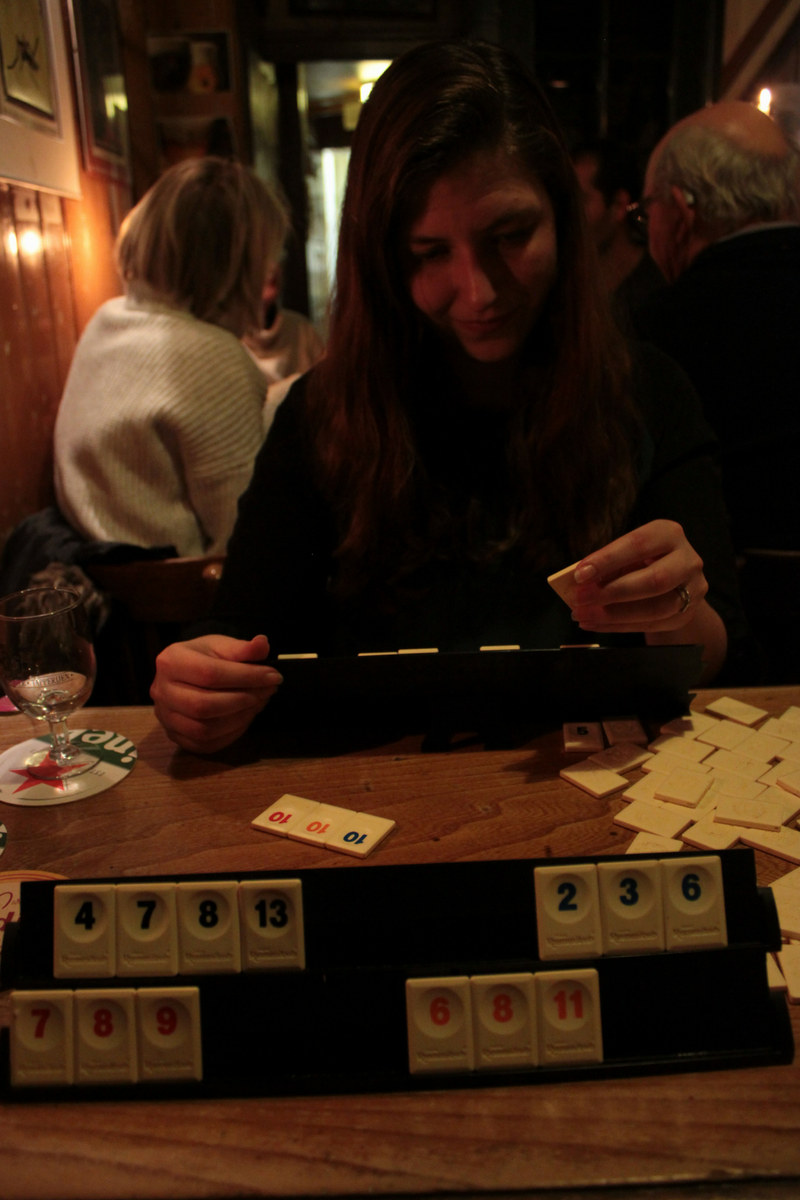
x: 686, y: 599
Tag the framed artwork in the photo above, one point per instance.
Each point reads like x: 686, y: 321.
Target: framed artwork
x: 102, y: 99
x: 37, y: 127
x: 190, y: 63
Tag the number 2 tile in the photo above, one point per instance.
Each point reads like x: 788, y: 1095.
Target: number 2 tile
x: 567, y: 911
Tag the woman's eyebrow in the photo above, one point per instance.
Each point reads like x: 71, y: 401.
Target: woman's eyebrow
x: 524, y: 212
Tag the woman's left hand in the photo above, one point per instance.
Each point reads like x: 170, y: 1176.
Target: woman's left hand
x: 640, y: 583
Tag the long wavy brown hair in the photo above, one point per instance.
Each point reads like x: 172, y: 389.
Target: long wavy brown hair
x: 570, y: 448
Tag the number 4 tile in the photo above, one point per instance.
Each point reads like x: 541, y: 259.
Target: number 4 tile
x: 84, y: 931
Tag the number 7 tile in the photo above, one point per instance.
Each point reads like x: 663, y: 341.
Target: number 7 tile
x: 41, y: 1038
x: 147, y: 929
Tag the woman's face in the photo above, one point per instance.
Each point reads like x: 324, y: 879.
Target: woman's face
x: 484, y: 255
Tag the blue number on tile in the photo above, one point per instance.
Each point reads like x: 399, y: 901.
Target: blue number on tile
x: 354, y: 838
x: 569, y: 892
x: 631, y: 892
x: 690, y: 886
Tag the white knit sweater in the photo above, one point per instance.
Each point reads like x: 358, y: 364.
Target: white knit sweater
x: 158, y: 428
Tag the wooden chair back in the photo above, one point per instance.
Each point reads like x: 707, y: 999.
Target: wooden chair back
x: 162, y: 591
x: 152, y: 602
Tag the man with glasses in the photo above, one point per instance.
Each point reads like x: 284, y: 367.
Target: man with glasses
x: 721, y: 206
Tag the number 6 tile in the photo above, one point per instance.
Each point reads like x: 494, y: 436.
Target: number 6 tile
x: 694, y: 903
x: 439, y: 1016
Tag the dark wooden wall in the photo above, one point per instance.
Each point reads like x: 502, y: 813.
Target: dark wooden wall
x: 50, y: 285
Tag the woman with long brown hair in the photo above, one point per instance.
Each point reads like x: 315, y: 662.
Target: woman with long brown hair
x: 478, y: 423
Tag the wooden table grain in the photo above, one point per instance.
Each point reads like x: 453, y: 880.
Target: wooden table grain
x: 706, y: 1132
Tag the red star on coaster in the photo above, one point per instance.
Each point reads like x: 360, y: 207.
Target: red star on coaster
x: 31, y: 780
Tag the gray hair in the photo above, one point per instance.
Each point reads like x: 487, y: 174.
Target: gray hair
x: 730, y: 186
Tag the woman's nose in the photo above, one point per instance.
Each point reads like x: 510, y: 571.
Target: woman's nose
x: 474, y: 283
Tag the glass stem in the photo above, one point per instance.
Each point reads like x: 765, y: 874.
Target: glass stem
x: 63, y: 749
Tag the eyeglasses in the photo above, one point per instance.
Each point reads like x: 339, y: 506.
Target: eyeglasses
x: 639, y: 213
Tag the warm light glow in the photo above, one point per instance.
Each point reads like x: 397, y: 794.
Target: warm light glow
x: 764, y: 99
x: 30, y: 242
x: 365, y: 90
x: 371, y: 69
x: 11, y: 242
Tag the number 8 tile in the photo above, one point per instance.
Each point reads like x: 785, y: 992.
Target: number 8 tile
x: 208, y: 928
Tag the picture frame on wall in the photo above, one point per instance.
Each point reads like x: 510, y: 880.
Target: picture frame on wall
x: 102, y: 98
x: 38, y: 144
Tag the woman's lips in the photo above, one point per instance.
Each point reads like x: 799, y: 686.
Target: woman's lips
x: 481, y: 327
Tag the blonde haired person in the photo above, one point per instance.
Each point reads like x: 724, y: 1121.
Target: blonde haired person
x: 162, y: 413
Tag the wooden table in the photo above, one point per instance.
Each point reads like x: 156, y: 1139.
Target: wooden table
x: 179, y: 813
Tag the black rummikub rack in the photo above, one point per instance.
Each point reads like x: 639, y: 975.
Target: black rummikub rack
x: 421, y: 691
x: 339, y: 1025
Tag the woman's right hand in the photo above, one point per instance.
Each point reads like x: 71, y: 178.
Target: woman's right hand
x: 208, y: 690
